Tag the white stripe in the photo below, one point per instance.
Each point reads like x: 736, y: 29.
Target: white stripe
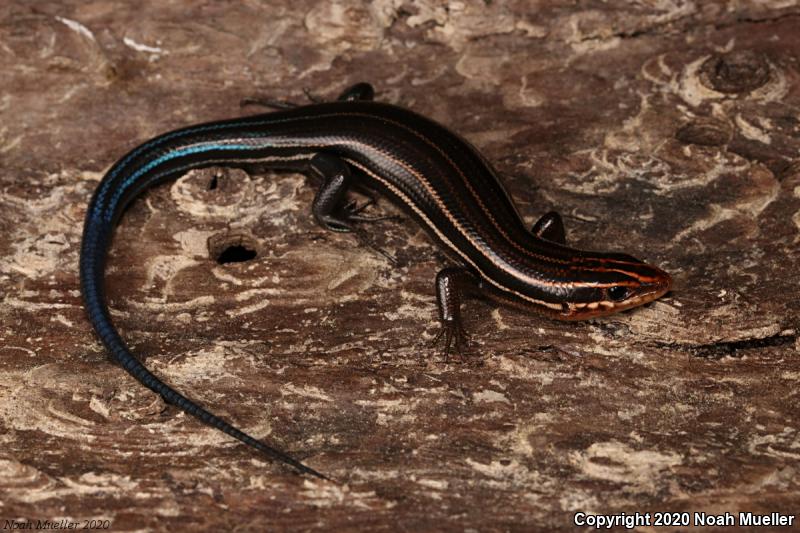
x: 389, y: 185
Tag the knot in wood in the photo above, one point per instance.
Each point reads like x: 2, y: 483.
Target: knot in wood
x: 737, y: 72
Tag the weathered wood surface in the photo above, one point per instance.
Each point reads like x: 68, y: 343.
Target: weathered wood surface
x: 669, y: 130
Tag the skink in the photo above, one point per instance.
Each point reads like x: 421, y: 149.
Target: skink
x: 434, y: 175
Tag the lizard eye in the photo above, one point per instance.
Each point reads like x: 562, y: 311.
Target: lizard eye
x: 618, y: 293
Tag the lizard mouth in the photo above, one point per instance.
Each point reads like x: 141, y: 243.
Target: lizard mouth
x: 654, y: 288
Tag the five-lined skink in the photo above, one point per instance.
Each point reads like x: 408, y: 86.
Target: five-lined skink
x: 434, y: 175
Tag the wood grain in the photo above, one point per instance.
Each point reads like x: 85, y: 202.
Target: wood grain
x: 668, y: 130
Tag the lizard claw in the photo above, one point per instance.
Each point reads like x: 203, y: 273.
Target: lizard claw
x: 454, y: 337
x: 352, y: 212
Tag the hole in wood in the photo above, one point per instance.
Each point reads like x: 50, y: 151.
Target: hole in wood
x: 236, y: 254
x: 236, y: 247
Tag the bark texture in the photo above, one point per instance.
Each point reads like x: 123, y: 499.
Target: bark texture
x: 666, y: 129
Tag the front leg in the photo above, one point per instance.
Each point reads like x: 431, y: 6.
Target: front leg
x: 452, y: 284
x: 551, y: 228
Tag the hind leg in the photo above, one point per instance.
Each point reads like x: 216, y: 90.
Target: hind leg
x: 361, y: 91
x: 329, y: 207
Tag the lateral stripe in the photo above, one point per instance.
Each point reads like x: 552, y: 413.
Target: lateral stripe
x: 389, y: 185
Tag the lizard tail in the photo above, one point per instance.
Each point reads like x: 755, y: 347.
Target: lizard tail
x: 94, y: 247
